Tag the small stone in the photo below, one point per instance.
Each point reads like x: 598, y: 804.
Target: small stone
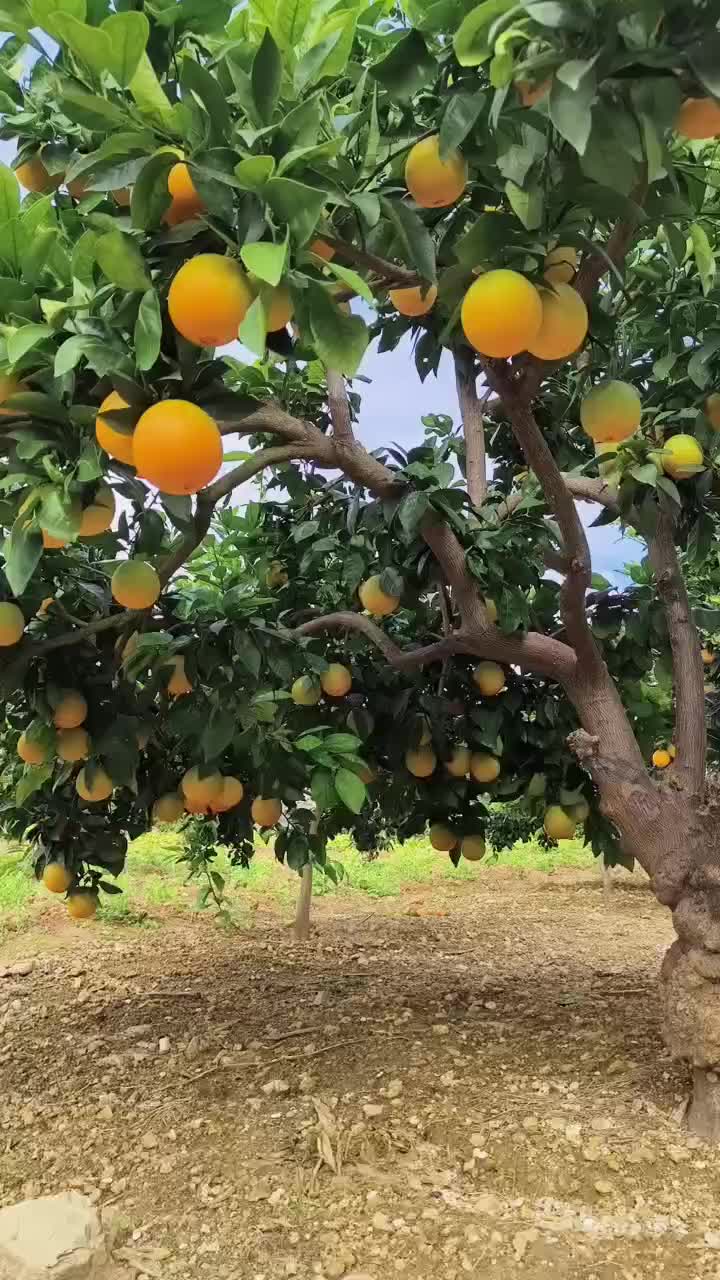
x: 273, y: 1087
x: 59, y: 1236
x: 394, y: 1088
x: 522, y: 1239
x: 441, y: 1029
x: 531, y: 1124
x: 22, y: 969
x: 372, y: 1110
x: 149, y: 1141
x: 488, y: 1203
x: 604, y: 1188
x: 712, y: 1239
x: 164, y: 1044
x: 139, y: 1032
x: 381, y: 1222
x: 678, y: 1155
x: 334, y: 1268
x: 193, y: 1048
x: 105, y: 1113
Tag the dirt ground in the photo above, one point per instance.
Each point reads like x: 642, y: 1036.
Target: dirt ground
x: 460, y: 1081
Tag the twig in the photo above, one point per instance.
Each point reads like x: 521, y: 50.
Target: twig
x: 285, y: 1057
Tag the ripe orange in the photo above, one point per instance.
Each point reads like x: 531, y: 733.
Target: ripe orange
x: 230, y: 796
x: 114, y: 442
x: 434, y: 183
x: 420, y: 762
x: 698, y: 119
x: 414, y: 301
x: 483, y: 767
x: 661, y: 758
x: 97, y: 518
x: 33, y: 176
x: 560, y: 265
x: 100, y: 789
x: 208, y: 300
x: 9, y: 386
x: 168, y: 808
x: 459, y: 763
x: 564, y: 324
x: 442, y: 838
x: 187, y: 203
x: 708, y: 657
x: 531, y: 94
x: 473, y: 848
x: 178, y: 684
x: 712, y: 410
x: 135, y: 585
x: 375, y: 600
x: 489, y: 678
x: 266, y: 811
x: 56, y: 877
x: 178, y: 447
x: 71, y: 711
x: 336, y: 681
x: 682, y: 456
x: 73, y: 745
x: 12, y: 624
x: 501, y: 314
x: 279, y: 308
x: 31, y: 752
x: 50, y: 543
x: 82, y: 905
x: 559, y: 824
x: 611, y: 412
x: 204, y: 791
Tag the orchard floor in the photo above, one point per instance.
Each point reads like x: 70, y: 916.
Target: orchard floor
x: 464, y: 1079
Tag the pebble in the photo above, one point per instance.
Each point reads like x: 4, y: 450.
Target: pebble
x: 164, y: 1044
x: 712, y: 1239
x: 275, y: 1087
x: 488, y: 1203
x: 149, y: 1141
x: 139, y: 1032
x: 372, y: 1109
x: 381, y: 1222
x: 603, y: 1188
x: 394, y: 1088
x: 441, y: 1029
x: 22, y: 969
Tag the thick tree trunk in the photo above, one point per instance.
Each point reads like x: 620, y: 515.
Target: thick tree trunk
x: 302, y: 913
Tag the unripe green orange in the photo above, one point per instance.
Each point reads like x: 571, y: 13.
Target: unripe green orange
x: 12, y: 624
x: 501, y: 313
x: 559, y: 824
x: 564, y: 324
x: 434, y: 183
x: 473, y: 848
x: 306, y: 691
x: 611, y: 412
x: 442, y: 838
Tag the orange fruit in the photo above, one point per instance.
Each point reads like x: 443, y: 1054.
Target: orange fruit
x: 56, y: 877
x: 178, y: 684
x: 33, y: 176
x: 202, y: 792
x: 708, y: 657
x: 306, y: 691
x: 101, y: 787
x: 682, y: 457
x: 278, y: 308
x: 122, y: 196
x: 114, y: 442
x: 181, y: 185
x: 73, y: 745
x: 230, y: 796
x: 266, y: 811
x: 77, y: 188
x: 99, y: 515
x: 50, y: 543
x: 322, y: 249
x: 71, y: 711
x: 135, y: 585
x: 277, y: 575
x: 31, y: 752
x: 560, y: 265
x: 9, y: 386
x: 420, y: 762
x: 698, y: 119
x: 611, y: 412
x: 168, y: 808
x: 712, y: 410
x: 661, y: 759
x: 375, y: 600
x: 336, y: 681
x: 501, y: 313
x: 559, y: 823
x: 178, y: 447
x: 442, y: 838
x: 82, y: 905
x: 484, y: 768
x: 12, y: 624
x: 459, y: 763
x: 531, y: 94
x: 473, y: 848
x: 489, y: 678
x: 434, y: 183
x: 414, y: 301
x: 564, y: 324
x: 208, y: 300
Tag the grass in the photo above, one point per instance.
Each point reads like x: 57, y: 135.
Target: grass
x: 155, y: 879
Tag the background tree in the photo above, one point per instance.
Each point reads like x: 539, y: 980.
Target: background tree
x: 515, y: 183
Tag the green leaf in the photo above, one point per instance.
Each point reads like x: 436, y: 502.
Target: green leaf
x: 253, y: 330
x: 471, y: 38
x: 344, y: 743
x: 197, y: 79
x: 44, y: 13
x: 60, y: 514
x: 265, y: 78
x: 148, y: 330
x: 599, y: 583
x: 120, y: 259
x: 412, y: 510
x: 704, y: 257
x: 296, y: 204
x: 92, y: 111
x: 351, y: 789
x: 570, y: 110
x: 9, y: 194
x: 645, y: 473
x: 406, y: 68
x: 459, y: 118
x: 704, y: 58
x: 218, y: 733
x: 340, y: 340
x: 290, y: 21
x: 24, y: 339
x: 22, y: 551
x: 352, y: 280
x: 150, y: 195
x: 90, y: 45
x: 415, y: 239
x: 265, y: 260
x: 150, y: 96
x: 128, y: 35
x: 34, y: 777
x: 527, y: 203
x: 253, y: 173
x: 323, y: 790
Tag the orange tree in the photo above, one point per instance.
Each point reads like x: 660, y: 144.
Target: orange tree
x: 532, y: 187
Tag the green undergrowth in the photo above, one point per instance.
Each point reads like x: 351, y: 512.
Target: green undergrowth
x: 155, y: 880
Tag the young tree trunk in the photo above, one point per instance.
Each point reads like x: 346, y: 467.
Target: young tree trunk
x: 302, y: 913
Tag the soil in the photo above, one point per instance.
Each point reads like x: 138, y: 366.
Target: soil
x: 466, y: 1080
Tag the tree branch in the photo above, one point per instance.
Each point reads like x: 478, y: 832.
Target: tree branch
x: 403, y: 660
x: 561, y: 503
x: 112, y: 622
x: 690, y: 733
x: 472, y: 423
x: 339, y: 407
x: 389, y: 272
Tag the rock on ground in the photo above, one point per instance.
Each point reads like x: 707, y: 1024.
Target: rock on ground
x: 54, y: 1238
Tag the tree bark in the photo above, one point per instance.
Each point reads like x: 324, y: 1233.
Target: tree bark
x: 302, y: 913
x: 472, y: 424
